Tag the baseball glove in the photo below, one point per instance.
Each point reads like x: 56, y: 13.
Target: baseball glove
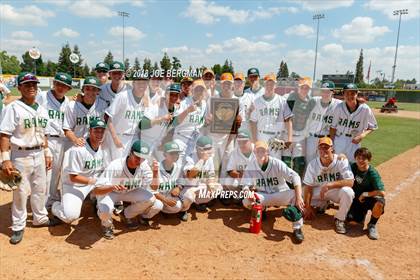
x: 275, y: 144
x: 10, y: 182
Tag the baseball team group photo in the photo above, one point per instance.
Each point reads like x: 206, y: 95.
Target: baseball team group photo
x: 176, y: 167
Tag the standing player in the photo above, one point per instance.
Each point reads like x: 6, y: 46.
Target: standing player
x: 369, y: 192
x: 56, y: 102
x: 254, y: 80
x: 245, y: 99
x: 352, y: 122
x: 79, y: 114
x: 4, y: 95
x: 80, y: 173
x: 117, y: 85
x: 270, y: 116
x: 24, y: 147
x: 320, y: 119
x: 127, y: 179
x: 267, y: 176
x: 328, y: 178
x: 186, y: 84
x: 210, y: 82
x: 101, y: 71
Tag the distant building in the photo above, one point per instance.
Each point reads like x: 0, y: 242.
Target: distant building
x: 339, y: 79
x: 412, y: 86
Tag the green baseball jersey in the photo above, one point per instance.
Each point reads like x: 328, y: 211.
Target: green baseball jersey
x: 366, y: 181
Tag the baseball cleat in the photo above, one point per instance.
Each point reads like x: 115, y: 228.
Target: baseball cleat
x: 201, y: 207
x: 132, y: 224
x: 183, y: 216
x: 144, y: 222
x: 118, y: 208
x: 340, y: 226
x: 298, y: 235
x: 108, y: 233
x: 372, y: 232
x: 53, y: 221
x: 16, y: 237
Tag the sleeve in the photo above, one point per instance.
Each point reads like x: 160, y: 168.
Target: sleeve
x: 254, y: 114
x: 105, y: 179
x: 287, y: 113
x: 9, y: 120
x: 309, y: 178
x: 334, y: 115
x: 75, y: 165
x: 289, y: 174
x: 69, y: 122
x: 345, y: 170
x: 371, y: 120
x: 376, y: 181
x: 189, y: 164
x: 145, y: 123
x: 146, y: 176
x: 115, y: 106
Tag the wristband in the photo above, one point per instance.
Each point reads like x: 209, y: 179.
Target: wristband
x: 365, y: 194
x: 5, y: 155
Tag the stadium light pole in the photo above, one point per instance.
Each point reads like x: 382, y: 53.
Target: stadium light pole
x: 316, y: 17
x: 396, y: 13
x: 123, y: 15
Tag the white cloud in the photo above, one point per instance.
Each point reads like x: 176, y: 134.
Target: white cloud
x: 204, y: 12
x: 240, y: 45
x: 130, y: 32
x: 66, y: 32
x: 209, y: 35
x: 22, y: 34
x: 268, y: 37
x: 27, y: 16
x: 91, y: 9
x: 300, y: 30
x: 387, y: 7
x: 181, y: 50
x: 360, y: 30
x: 323, y: 5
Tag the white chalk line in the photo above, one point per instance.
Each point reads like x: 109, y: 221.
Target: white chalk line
x: 404, y: 184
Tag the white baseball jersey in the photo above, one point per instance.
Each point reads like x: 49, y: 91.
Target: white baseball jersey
x: 317, y: 175
x: 258, y: 93
x: 186, y: 130
x: 245, y: 101
x: 238, y: 161
x: 352, y: 124
x: 273, y: 179
x: 168, y: 180
x: 155, y: 99
x: 206, y: 169
x: 77, y: 117
x: 117, y: 173
x: 84, y: 161
x: 56, y: 111
x: 320, y: 118
x: 126, y: 113
x: 270, y: 115
x: 25, y: 124
x: 107, y: 94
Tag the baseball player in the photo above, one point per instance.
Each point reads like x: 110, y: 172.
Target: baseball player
x: 352, y: 122
x: 186, y: 84
x: 128, y: 179
x: 320, y: 119
x: 123, y: 117
x: 301, y: 105
x: 369, y: 192
x: 56, y: 102
x: 101, y: 71
x: 190, y: 119
x: 117, y: 85
x: 254, y: 80
x: 4, y: 95
x: 200, y: 178
x: 210, y: 82
x: 245, y: 99
x: 80, y: 173
x: 79, y: 114
x: 24, y: 147
x: 328, y: 178
x: 267, y: 176
x: 270, y: 116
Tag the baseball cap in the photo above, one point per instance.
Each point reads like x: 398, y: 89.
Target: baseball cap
x: 261, y: 144
x: 95, y: 123
x: 171, y: 147
x: 92, y: 81
x: 325, y: 140
x: 204, y: 142
x: 350, y: 86
x: 140, y: 148
x: 199, y: 83
x: 270, y: 77
x: 253, y: 71
x: 26, y: 77
x: 226, y: 77
x: 327, y: 85
x: 175, y: 87
x: 63, y: 78
x: 187, y: 79
x: 117, y: 66
x: 239, y: 76
x: 208, y: 70
x: 243, y: 134
x: 102, y: 66
x: 305, y: 81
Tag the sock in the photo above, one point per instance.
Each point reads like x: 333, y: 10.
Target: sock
x: 373, y: 220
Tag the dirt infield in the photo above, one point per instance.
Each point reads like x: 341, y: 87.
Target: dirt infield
x: 217, y: 244
x: 401, y: 114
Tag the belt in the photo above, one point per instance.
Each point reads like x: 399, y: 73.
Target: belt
x: 54, y: 136
x: 267, y: 132
x: 318, y: 135
x: 348, y: 135
x: 29, y: 148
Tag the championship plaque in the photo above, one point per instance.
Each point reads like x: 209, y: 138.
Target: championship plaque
x: 224, y: 111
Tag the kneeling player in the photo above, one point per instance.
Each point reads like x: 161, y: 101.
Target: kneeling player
x: 268, y: 176
x: 328, y: 178
x: 84, y: 165
x: 369, y: 192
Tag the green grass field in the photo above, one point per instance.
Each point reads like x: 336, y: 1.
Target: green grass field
x: 401, y: 106
x: 394, y: 136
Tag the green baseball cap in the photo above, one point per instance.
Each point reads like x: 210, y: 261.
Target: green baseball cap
x: 175, y: 87
x: 327, y: 85
x: 140, y: 148
x: 102, y: 66
x: 350, y: 86
x: 95, y: 123
x: 171, y: 147
x: 92, y: 81
x: 204, y: 142
x: 26, y: 77
x: 243, y: 134
x: 63, y: 78
x: 117, y: 66
x: 253, y: 71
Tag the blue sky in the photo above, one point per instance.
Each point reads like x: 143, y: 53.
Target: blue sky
x: 250, y: 33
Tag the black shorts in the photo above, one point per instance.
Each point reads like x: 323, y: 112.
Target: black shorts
x: 358, y: 210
